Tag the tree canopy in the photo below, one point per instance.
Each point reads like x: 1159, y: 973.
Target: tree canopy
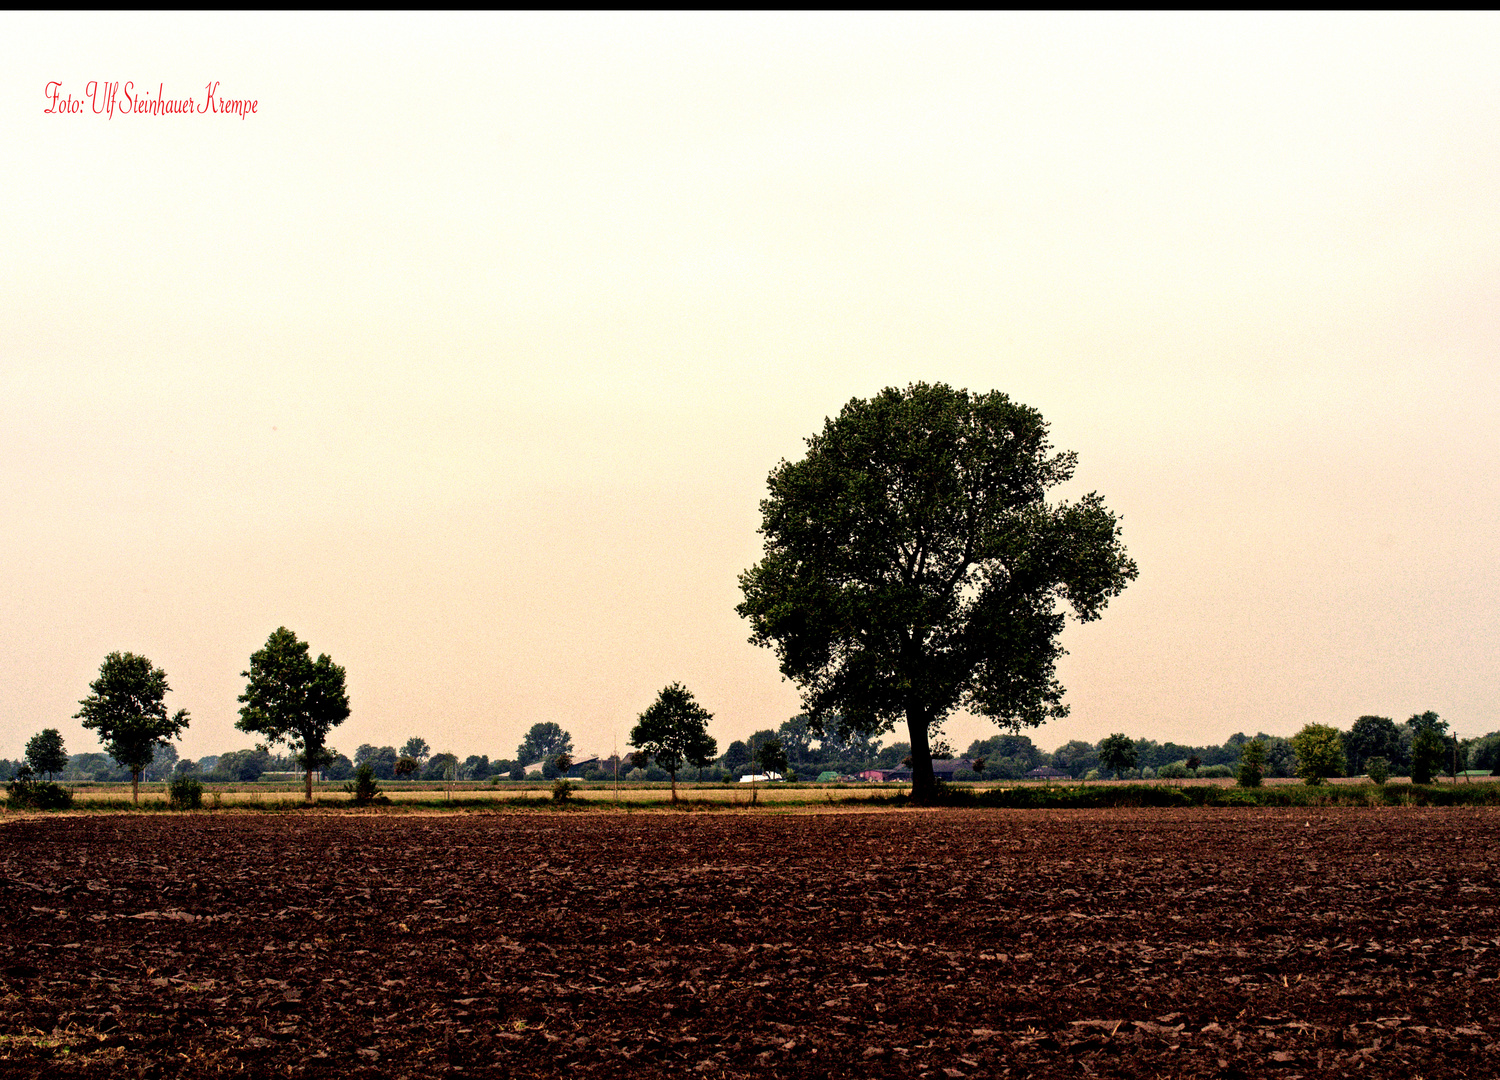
x: 543, y: 741
x: 381, y: 759
x: 293, y: 699
x: 1320, y: 753
x: 674, y: 731
x: 1117, y: 753
x: 1372, y: 736
x: 913, y: 565
x: 772, y: 757
x: 416, y: 748
x: 127, y: 707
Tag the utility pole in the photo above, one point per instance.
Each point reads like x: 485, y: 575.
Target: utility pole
x: 754, y: 773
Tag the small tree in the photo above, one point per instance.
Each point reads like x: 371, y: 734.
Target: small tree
x: 405, y: 767
x: 294, y: 700
x: 1117, y: 753
x: 363, y: 788
x: 1426, y: 755
x: 674, y: 731
x: 45, y: 752
x: 1378, y: 769
x: 1320, y: 753
x: 127, y: 708
x: 1252, y: 763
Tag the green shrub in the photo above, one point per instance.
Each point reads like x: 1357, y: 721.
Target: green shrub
x: 1174, y: 770
x: 562, y: 791
x: 363, y: 788
x: 1378, y: 769
x: 185, y: 792
x: 26, y: 792
x: 1215, y: 772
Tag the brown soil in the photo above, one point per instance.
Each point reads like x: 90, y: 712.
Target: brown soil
x: 1204, y: 943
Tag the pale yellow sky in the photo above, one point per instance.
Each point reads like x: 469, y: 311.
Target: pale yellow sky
x: 467, y: 355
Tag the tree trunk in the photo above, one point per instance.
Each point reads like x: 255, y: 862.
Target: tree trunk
x: 135, y: 786
x: 309, y: 783
x: 923, y: 783
x: 674, y: 787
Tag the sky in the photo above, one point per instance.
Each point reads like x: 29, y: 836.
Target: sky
x: 466, y: 355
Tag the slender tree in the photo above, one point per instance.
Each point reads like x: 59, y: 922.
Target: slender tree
x: 1252, y: 764
x: 294, y: 700
x: 914, y: 566
x: 674, y: 731
x: 126, y: 706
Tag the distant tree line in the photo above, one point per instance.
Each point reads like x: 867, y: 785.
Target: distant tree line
x: 1422, y: 745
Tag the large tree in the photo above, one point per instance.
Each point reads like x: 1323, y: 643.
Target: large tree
x: 543, y: 741
x: 674, y: 731
x: 294, y: 700
x: 914, y: 566
x: 127, y: 707
x: 45, y: 752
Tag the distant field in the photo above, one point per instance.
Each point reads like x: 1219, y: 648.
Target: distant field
x: 627, y: 794
x: 424, y: 792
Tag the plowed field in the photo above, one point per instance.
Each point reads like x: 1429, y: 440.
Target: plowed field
x: 1205, y: 943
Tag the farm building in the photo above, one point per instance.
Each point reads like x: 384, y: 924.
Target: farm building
x: 944, y: 769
